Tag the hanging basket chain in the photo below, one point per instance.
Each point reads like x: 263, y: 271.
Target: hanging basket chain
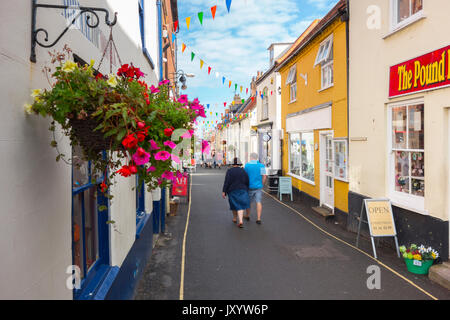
x: 110, y: 44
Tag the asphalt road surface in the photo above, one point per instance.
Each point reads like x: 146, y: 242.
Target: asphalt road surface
x: 284, y: 258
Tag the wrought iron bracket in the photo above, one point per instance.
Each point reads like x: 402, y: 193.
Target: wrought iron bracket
x: 79, y: 11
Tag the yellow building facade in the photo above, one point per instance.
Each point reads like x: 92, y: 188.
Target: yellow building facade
x: 315, y: 111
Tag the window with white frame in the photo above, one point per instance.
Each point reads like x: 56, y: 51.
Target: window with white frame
x: 408, y: 156
x: 325, y: 59
x: 291, y: 81
x: 301, y: 155
x: 265, y: 105
x: 404, y: 10
x: 341, y: 159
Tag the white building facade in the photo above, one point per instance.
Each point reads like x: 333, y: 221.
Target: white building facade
x: 268, y: 111
x: 51, y: 223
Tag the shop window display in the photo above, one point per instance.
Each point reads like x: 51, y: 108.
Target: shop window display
x: 408, y: 148
x: 301, y: 151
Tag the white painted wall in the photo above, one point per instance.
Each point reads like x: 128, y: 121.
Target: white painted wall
x: 35, y: 190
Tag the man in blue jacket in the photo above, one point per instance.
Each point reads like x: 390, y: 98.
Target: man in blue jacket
x: 256, y: 172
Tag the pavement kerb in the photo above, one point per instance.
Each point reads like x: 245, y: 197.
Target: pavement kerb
x: 353, y: 247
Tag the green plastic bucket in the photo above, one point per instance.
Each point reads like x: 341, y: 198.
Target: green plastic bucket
x: 418, y: 266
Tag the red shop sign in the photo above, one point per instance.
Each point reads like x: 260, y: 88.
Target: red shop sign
x: 426, y: 72
x: 179, y: 187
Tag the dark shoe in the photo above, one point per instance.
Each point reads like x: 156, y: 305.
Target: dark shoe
x: 247, y: 218
x: 240, y: 225
x: 234, y: 221
x: 258, y: 221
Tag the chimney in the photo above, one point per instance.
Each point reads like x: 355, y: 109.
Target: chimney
x: 237, y: 99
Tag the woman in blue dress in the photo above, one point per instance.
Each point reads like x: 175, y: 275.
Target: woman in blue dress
x: 235, y: 187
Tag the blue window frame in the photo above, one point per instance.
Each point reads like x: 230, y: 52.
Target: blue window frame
x: 90, y: 232
x: 142, y: 29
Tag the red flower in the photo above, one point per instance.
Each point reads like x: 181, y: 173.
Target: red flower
x: 141, y: 136
x: 133, y: 169
x: 168, y: 132
x: 103, y: 187
x: 124, y: 171
x: 130, y: 141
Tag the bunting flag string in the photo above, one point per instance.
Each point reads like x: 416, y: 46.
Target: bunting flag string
x: 175, y: 25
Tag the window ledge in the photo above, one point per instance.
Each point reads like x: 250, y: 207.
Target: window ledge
x: 413, y: 19
x: 292, y: 101
x: 142, y: 221
x: 323, y: 89
x: 301, y: 178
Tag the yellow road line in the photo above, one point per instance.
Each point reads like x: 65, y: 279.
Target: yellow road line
x: 356, y: 248
x: 183, y: 255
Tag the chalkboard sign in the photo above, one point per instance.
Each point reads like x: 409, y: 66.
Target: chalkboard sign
x: 285, y: 186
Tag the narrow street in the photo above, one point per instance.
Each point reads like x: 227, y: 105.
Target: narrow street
x: 286, y: 257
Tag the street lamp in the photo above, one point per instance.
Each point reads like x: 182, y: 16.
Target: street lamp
x: 180, y: 76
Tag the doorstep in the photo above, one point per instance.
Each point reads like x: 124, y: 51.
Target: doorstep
x: 440, y: 274
x: 323, y: 211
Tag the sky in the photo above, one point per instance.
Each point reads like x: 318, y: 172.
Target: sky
x: 235, y: 44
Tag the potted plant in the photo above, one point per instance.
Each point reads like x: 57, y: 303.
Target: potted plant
x: 120, y: 114
x: 418, y: 259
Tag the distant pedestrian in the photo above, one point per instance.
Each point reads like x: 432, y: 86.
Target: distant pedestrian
x: 236, y: 186
x: 257, y: 175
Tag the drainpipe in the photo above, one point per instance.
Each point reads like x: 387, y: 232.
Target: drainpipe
x: 163, y: 190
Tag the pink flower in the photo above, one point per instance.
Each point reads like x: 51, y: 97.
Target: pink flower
x: 168, y: 175
x: 162, y: 155
x: 183, y: 99
x: 187, y: 134
x: 154, y: 145
x: 179, y: 174
x: 141, y: 157
x: 151, y: 169
x: 164, y: 82
x: 201, y: 113
x: 153, y: 89
x: 205, y: 146
x: 170, y: 144
x: 175, y: 158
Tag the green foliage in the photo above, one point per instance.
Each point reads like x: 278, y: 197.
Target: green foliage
x: 123, y: 108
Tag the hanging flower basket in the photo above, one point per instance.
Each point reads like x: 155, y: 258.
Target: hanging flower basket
x: 120, y: 114
x: 90, y: 140
x: 418, y: 259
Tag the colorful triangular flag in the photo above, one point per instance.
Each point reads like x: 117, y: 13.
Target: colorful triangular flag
x: 213, y: 11
x: 228, y: 5
x: 201, y: 63
x: 192, y: 56
x: 209, y: 70
x: 188, y: 22
x: 175, y: 26
x: 200, y: 17
x: 183, y: 47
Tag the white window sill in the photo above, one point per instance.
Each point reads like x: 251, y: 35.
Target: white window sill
x: 402, y: 25
x: 409, y: 202
x: 325, y: 88
x: 301, y: 178
x: 292, y: 101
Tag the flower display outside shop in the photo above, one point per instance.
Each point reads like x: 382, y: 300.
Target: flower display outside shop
x: 133, y: 122
x: 418, y: 259
x: 419, y: 253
